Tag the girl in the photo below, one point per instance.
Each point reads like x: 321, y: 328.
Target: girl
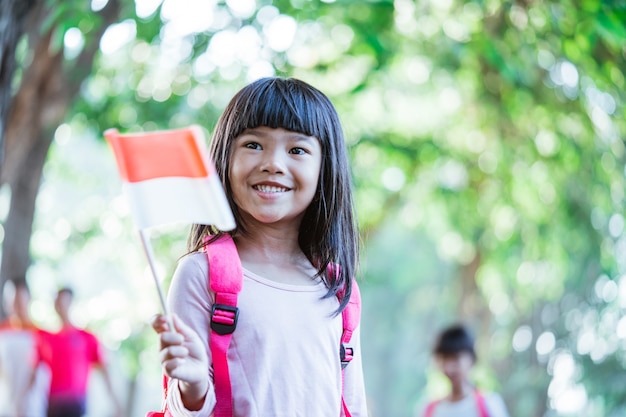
x: 280, y: 153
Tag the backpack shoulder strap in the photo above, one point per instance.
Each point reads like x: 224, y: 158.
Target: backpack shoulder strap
x: 350, y: 316
x: 225, y: 280
x: 430, y: 408
x: 481, y: 403
x: 224, y: 266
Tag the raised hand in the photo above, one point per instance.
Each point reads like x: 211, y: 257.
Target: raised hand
x: 183, y: 356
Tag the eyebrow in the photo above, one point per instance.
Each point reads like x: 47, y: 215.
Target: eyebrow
x: 298, y: 137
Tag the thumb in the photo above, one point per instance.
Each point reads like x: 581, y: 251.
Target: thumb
x: 192, y: 339
x: 182, y: 328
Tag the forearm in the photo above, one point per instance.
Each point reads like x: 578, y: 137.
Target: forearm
x: 110, y: 388
x: 354, y: 389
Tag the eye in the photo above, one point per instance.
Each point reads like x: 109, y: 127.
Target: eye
x: 298, y: 151
x: 252, y: 145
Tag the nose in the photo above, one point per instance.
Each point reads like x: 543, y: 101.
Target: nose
x: 273, y: 162
x: 450, y: 368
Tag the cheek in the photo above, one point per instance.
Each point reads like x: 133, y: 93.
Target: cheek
x: 316, y: 172
x: 313, y: 186
x: 467, y: 366
x: 235, y: 175
x: 234, y: 185
x: 235, y: 166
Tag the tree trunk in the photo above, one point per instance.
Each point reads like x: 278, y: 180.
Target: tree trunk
x: 38, y: 108
x: 471, y: 304
x: 12, y: 13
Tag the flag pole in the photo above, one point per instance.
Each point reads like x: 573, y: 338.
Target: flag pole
x: 147, y: 248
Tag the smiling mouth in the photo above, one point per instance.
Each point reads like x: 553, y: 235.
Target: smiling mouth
x: 270, y: 189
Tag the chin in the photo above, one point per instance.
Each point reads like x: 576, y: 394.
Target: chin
x: 268, y: 219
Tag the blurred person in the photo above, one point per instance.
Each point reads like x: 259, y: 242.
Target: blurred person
x: 71, y: 353
x: 455, y: 356
x: 23, y: 384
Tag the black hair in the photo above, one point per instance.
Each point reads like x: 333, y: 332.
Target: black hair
x: 21, y: 284
x: 328, y: 233
x: 455, y: 339
x: 66, y: 290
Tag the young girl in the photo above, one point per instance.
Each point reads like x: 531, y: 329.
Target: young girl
x: 280, y: 153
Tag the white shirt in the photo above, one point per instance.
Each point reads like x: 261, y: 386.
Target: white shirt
x: 284, y: 355
x: 467, y: 407
x: 17, y: 356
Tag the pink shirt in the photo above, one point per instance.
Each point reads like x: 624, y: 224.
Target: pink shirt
x: 284, y: 354
x: 70, y: 354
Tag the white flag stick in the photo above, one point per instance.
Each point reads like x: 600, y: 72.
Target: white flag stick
x: 147, y: 248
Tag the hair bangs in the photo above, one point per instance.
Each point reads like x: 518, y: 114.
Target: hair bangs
x: 280, y: 104
x: 454, y: 346
x: 455, y: 339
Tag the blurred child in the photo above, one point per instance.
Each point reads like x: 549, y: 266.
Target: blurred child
x: 455, y: 356
x: 23, y: 384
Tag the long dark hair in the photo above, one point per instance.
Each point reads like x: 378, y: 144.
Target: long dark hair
x: 328, y: 233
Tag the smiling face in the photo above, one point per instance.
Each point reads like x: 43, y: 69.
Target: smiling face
x: 274, y: 174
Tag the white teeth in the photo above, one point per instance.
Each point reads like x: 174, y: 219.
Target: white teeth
x: 270, y: 189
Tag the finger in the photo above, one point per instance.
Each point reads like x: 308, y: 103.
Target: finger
x: 168, y: 339
x: 186, y: 331
x: 171, y: 366
x: 178, y: 368
x: 171, y: 338
x: 159, y: 323
x: 196, y: 346
x: 173, y: 352
x: 180, y: 326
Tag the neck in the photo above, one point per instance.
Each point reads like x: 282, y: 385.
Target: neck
x: 272, y: 245
x: 276, y: 256
x: 19, y: 322
x: 65, y: 321
x: 460, y: 391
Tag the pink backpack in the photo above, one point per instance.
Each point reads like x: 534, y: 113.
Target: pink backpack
x: 226, y: 279
x: 480, y: 403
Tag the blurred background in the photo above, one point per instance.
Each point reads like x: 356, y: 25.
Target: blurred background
x: 487, y: 144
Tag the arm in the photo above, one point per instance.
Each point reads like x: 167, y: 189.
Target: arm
x: 119, y: 409
x: 354, y: 386
x: 185, y: 363
x: 22, y: 396
x: 185, y: 355
x: 99, y: 361
x: 495, y: 405
x: 38, y: 372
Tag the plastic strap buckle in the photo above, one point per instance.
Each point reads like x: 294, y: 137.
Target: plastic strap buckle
x: 346, y: 353
x: 224, y: 318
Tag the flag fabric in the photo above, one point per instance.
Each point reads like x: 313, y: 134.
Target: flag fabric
x: 167, y: 177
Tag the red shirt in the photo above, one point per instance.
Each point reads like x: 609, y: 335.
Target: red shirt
x: 70, y: 354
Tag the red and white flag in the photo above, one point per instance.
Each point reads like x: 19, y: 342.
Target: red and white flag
x: 168, y: 177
